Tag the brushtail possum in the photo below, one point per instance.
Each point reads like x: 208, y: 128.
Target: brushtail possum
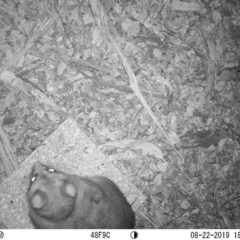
x: 60, y: 200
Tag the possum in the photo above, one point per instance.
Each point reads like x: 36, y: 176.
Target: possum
x: 58, y: 200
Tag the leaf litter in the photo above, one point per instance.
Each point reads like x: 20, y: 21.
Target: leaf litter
x: 155, y: 84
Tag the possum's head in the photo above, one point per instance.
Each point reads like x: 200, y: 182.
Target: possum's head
x: 50, y: 193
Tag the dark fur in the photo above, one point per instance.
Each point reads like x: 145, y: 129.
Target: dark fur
x: 59, y: 200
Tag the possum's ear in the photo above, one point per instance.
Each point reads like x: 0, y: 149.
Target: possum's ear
x: 39, y: 200
x: 69, y: 189
x: 95, y: 194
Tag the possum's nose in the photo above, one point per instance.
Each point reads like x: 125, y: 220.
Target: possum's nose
x: 38, y: 167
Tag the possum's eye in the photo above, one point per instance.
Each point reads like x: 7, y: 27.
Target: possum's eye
x: 51, y: 170
x: 33, y: 179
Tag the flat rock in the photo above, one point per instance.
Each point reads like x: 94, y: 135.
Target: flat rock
x: 67, y: 149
